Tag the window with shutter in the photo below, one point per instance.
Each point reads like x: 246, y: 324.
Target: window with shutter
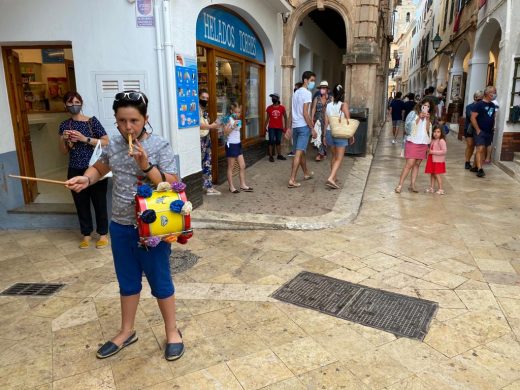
x: 107, y: 85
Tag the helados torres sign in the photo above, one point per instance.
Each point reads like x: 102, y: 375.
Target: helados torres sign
x: 219, y: 28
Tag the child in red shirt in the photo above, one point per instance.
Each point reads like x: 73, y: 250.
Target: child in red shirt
x: 276, y: 121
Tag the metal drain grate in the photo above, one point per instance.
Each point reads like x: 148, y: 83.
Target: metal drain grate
x: 395, y: 313
x: 182, y: 260
x: 38, y: 289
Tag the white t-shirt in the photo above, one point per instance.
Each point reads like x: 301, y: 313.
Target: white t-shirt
x: 234, y: 136
x: 300, y: 97
x: 334, y: 109
x: 420, y: 136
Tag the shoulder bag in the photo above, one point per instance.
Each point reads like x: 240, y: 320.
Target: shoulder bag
x: 342, y: 129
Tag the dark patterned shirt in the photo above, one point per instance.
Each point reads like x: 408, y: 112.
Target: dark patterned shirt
x: 79, y: 155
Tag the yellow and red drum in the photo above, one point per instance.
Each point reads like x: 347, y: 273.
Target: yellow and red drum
x: 167, y: 225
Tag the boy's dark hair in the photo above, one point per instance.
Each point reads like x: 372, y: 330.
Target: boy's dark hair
x: 411, y: 96
x: 70, y: 95
x: 307, y: 75
x: 140, y: 105
x: 338, y: 93
x: 429, y: 90
x: 398, y: 95
x: 203, y: 90
x: 297, y: 86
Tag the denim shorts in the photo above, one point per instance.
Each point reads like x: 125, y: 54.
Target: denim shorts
x: 337, y: 142
x: 301, y: 138
x: 396, y: 123
x: 130, y: 261
x: 233, y: 150
x: 275, y: 136
x: 483, y: 139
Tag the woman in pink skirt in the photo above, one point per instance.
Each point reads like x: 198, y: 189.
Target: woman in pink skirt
x: 418, y: 137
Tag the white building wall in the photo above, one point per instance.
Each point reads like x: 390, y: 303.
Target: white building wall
x: 105, y: 38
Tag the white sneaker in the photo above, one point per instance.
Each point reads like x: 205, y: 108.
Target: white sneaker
x: 212, y: 191
x: 393, y: 141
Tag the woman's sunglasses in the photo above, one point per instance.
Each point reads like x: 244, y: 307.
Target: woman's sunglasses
x: 132, y: 96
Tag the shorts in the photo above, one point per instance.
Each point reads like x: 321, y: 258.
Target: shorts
x: 469, y: 132
x: 396, y: 123
x: 483, y: 139
x: 301, y: 138
x: 233, y: 150
x: 337, y: 142
x: 130, y: 261
x: 275, y: 136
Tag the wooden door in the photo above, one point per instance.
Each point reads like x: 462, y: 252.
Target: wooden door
x: 20, y: 121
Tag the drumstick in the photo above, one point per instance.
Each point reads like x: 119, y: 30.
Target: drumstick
x: 38, y: 179
x: 130, y: 145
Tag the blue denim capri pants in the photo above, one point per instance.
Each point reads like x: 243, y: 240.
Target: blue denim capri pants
x: 131, y: 260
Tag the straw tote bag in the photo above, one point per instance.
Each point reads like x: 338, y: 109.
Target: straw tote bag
x: 340, y: 128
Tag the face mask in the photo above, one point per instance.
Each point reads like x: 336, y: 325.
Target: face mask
x: 311, y: 85
x: 493, y: 96
x: 323, y: 91
x: 74, y: 109
x: 203, y: 103
x: 274, y: 100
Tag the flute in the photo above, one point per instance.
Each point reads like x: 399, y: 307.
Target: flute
x: 130, y: 145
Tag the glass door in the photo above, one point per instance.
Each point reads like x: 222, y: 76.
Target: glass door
x: 228, y: 86
x: 253, y: 101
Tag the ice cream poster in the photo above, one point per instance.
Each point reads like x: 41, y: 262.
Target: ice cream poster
x: 187, y: 91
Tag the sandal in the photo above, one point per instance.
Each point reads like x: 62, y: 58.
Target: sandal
x: 294, y: 185
x: 84, y: 244
x: 247, y: 189
x: 440, y: 192
x: 308, y: 177
x: 332, y: 185
x: 398, y: 189
x: 413, y: 189
x: 102, y: 243
x: 429, y: 190
x: 235, y: 191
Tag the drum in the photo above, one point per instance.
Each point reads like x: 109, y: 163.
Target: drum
x: 167, y: 225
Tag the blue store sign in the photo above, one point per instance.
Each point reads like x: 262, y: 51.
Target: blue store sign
x: 219, y: 28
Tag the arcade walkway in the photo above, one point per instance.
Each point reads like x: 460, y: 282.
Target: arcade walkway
x: 461, y: 250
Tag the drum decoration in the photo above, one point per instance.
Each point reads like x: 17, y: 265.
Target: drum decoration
x: 163, y: 214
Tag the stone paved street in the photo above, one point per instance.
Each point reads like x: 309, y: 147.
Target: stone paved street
x: 461, y: 250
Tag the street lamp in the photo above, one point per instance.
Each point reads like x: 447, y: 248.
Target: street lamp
x: 436, y: 43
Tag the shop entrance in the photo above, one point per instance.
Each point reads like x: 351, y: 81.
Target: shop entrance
x: 37, y: 77
x: 231, y: 68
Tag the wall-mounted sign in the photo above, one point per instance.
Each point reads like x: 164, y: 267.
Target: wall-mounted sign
x: 144, y: 13
x: 223, y: 29
x: 187, y: 90
x: 53, y: 56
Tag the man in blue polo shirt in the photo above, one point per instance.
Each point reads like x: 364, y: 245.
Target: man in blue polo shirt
x: 483, y: 122
x: 396, y: 110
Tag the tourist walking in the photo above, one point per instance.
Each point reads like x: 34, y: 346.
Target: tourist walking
x: 233, y: 147
x: 205, y: 143
x: 483, y: 121
x: 436, y: 163
x: 418, y: 130
x: 337, y: 145
x: 319, y: 106
x: 469, y: 131
x: 396, y: 111
x: 276, y: 120
x: 302, y: 127
x: 149, y: 158
x: 79, y: 136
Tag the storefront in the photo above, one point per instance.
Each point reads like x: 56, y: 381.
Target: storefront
x: 231, y: 67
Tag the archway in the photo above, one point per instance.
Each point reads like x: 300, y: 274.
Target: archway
x: 458, y: 73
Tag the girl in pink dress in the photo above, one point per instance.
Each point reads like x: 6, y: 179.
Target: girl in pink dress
x: 436, y: 163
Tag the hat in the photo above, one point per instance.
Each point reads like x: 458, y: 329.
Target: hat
x: 324, y: 83
x: 275, y: 95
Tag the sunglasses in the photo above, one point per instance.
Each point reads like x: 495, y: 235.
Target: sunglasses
x: 131, y: 96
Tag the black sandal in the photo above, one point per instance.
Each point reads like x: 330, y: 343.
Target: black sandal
x: 248, y: 189
x: 234, y: 192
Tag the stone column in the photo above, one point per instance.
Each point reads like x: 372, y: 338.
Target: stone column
x: 287, y: 82
x: 477, y: 75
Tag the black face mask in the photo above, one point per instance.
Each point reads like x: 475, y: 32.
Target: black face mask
x: 203, y: 103
x: 275, y: 101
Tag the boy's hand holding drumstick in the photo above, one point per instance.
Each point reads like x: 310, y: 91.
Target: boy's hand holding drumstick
x: 130, y: 145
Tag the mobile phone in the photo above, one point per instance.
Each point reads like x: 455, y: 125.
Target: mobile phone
x: 425, y: 109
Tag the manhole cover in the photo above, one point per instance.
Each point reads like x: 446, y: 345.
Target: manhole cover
x: 39, y: 289
x: 395, y: 313
x: 182, y: 260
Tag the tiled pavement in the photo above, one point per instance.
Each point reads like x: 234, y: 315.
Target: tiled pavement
x: 461, y: 250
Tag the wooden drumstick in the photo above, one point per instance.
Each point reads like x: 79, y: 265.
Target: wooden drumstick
x: 130, y: 145
x: 38, y: 179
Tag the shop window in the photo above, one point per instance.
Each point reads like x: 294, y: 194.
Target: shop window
x: 253, y: 101
x: 107, y: 85
x: 514, y: 111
